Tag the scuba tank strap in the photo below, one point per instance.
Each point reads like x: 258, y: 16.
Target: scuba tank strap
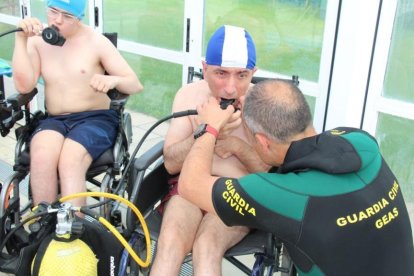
x: 40, y: 253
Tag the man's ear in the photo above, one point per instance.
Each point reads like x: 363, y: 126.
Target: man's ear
x: 204, y: 64
x: 262, y: 140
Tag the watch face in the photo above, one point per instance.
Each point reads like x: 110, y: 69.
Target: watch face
x: 201, y: 129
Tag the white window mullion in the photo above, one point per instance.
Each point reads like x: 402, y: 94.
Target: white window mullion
x: 375, y: 102
x: 395, y: 108
x: 356, y: 32
x: 9, y: 19
x: 321, y: 91
x: 194, y: 13
x: 25, y: 8
x: 151, y: 51
x: 92, y: 5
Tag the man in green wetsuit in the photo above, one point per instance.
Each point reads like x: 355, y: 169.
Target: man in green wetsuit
x: 331, y: 197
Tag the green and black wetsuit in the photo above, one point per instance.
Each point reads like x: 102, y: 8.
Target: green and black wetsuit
x: 334, y: 202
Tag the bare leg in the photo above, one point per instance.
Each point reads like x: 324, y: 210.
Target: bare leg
x: 73, y: 164
x: 179, y: 226
x: 212, y: 241
x: 45, y: 149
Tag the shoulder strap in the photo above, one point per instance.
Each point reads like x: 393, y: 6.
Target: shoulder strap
x: 40, y: 253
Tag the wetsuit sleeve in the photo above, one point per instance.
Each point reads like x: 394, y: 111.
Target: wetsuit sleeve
x: 251, y: 201
x: 232, y: 204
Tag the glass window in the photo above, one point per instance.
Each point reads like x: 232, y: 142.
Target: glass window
x: 160, y: 79
x: 6, y: 42
x: 153, y: 22
x: 288, y: 33
x: 311, y: 102
x: 395, y: 133
x: 394, y: 136
x: 39, y: 11
x: 10, y: 7
x: 399, y: 76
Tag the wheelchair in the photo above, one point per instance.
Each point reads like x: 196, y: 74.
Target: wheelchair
x: 149, y: 179
x: 149, y: 189
x: 105, y: 173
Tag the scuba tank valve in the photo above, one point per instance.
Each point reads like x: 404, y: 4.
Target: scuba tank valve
x: 63, y: 253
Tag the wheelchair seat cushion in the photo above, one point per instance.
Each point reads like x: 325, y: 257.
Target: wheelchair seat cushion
x: 99, y: 164
x: 95, y: 130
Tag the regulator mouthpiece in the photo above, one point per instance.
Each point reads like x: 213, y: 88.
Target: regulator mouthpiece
x: 52, y: 36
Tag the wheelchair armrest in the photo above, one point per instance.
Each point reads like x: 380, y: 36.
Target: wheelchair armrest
x: 114, y: 94
x: 11, y: 111
x: 149, y: 187
x: 118, y: 99
x: 19, y: 100
x: 142, y: 180
x: 294, y: 79
x: 193, y: 73
x: 144, y: 161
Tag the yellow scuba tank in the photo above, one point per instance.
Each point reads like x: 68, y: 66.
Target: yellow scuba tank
x: 63, y: 254
x: 68, y: 258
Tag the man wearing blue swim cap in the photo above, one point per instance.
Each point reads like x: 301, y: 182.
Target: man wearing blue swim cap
x: 80, y: 125
x: 228, y: 70
x: 74, y: 7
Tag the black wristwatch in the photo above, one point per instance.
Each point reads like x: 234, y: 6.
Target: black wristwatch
x: 203, y: 128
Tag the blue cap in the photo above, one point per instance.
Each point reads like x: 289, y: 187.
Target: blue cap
x: 75, y: 7
x: 231, y: 46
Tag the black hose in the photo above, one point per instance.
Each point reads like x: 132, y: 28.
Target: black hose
x: 11, y: 31
x: 18, y: 226
x: 174, y: 115
x: 122, y: 179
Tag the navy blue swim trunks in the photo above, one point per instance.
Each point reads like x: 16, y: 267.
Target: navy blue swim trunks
x: 95, y: 130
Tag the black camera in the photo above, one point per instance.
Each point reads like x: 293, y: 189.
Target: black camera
x: 52, y: 36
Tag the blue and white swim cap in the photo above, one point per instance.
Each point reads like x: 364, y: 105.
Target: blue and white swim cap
x: 75, y: 7
x: 231, y: 46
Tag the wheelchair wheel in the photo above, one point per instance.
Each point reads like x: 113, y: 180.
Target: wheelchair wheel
x: 16, y: 242
x: 11, y: 212
x: 8, y: 195
x: 10, y: 218
x: 11, y: 198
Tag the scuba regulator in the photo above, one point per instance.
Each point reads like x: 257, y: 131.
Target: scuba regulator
x: 63, y: 252
x: 61, y: 243
x: 50, y: 35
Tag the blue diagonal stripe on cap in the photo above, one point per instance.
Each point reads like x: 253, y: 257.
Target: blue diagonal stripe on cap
x: 231, y: 46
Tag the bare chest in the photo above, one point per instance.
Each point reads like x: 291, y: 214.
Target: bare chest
x: 230, y: 166
x: 69, y: 65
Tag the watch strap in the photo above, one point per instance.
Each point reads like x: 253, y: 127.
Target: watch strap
x: 212, y: 130
x: 203, y: 128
